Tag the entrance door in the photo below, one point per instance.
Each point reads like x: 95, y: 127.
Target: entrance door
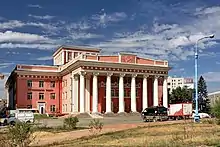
x: 41, y: 108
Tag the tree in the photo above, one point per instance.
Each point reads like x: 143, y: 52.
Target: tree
x: 203, y: 101
x: 180, y: 95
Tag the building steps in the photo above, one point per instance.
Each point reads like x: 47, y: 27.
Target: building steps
x: 95, y: 115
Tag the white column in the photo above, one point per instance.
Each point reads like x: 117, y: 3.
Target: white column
x: 165, y: 99
x: 108, y: 93
x: 82, y: 92
x: 155, y: 101
x: 121, y: 93
x: 133, y: 93
x: 144, y: 91
x: 95, y: 93
x: 87, y: 94
x: 75, y: 95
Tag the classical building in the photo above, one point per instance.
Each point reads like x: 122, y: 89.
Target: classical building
x: 82, y: 80
x: 174, y: 82
x: 214, y: 97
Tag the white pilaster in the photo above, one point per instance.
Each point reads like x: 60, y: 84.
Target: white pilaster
x: 165, y: 99
x: 108, y: 93
x: 155, y: 101
x: 95, y: 93
x: 133, y: 93
x: 121, y: 93
x: 87, y: 94
x: 144, y: 91
x: 82, y: 92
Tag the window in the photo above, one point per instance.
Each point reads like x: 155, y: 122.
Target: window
x: 29, y: 83
x: 41, y: 96
x: 137, y: 93
x: 29, y: 95
x: 41, y: 83
x: 65, y: 95
x: 69, y: 56
x: 127, y: 93
x: 29, y: 106
x: 52, y: 108
x: 112, y: 92
x: 52, y: 84
x: 52, y: 96
x: 75, y: 54
x: 116, y: 93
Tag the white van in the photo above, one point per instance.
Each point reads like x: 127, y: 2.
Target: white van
x: 22, y: 115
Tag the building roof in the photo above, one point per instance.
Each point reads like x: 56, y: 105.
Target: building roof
x: 76, y: 48
x: 213, y: 93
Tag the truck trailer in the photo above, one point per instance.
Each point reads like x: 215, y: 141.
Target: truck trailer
x: 180, y: 111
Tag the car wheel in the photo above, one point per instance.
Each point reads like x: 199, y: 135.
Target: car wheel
x: 5, y: 123
x: 12, y: 123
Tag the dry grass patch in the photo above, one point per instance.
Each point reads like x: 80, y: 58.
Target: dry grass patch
x: 186, y: 134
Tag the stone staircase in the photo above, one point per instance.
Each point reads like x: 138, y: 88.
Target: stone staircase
x: 95, y: 115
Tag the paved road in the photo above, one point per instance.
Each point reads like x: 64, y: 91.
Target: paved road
x: 86, y: 121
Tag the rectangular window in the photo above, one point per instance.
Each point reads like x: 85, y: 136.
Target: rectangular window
x: 29, y: 83
x: 65, y: 95
x: 69, y: 56
x: 127, y: 93
x: 117, y: 93
x: 52, y: 84
x: 113, y: 93
x: 137, y: 93
x: 75, y: 54
x: 41, y: 96
x: 41, y: 83
x: 52, y: 96
x: 29, y: 95
x: 29, y: 106
x: 52, y: 108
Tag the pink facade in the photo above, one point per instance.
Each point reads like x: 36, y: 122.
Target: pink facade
x: 70, y: 94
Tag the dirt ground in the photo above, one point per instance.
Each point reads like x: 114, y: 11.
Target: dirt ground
x: 44, y: 138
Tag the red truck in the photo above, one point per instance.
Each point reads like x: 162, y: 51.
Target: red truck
x: 180, y: 111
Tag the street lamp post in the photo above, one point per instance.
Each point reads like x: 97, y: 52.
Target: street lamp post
x: 196, y: 117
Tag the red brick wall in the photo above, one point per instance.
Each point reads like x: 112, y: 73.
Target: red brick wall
x: 22, y: 91
x: 150, y: 91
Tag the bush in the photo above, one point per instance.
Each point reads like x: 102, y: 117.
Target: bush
x: 20, y: 135
x: 216, y: 110
x: 40, y: 116
x: 95, y: 126
x: 70, y: 122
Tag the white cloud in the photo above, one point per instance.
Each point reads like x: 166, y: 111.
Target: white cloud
x: 104, y: 18
x: 48, y: 17
x: 10, y: 36
x: 5, y: 65
x: 32, y: 45
x: 34, y: 6
x: 212, y: 76
x: 168, y: 41
x: 11, y: 24
x: 82, y: 35
x: 45, y: 58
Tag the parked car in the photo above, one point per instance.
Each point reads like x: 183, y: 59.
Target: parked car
x: 22, y: 115
x: 156, y: 113
x: 201, y: 114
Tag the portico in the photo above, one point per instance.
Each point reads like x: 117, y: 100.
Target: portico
x: 118, y: 92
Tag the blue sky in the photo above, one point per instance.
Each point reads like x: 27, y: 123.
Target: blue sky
x: 30, y: 31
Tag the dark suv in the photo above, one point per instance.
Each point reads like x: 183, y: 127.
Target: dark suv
x: 156, y: 113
